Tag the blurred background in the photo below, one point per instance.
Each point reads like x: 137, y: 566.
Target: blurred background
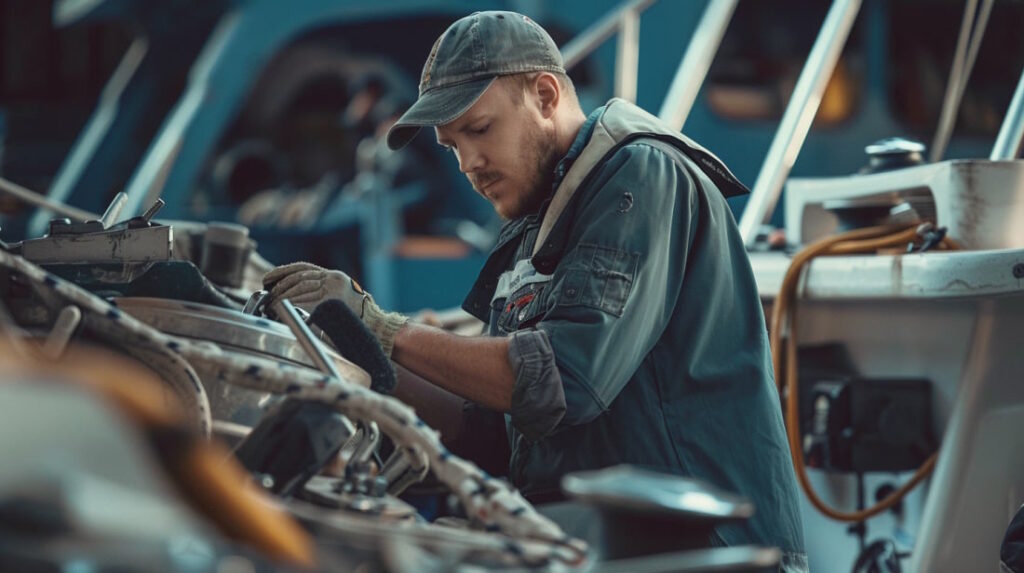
x: 270, y: 114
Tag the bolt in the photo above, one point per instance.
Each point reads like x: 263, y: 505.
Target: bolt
x: 265, y: 480
x: 1018, y: 270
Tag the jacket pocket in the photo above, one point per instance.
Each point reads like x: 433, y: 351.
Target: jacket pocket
x: 597, y: 277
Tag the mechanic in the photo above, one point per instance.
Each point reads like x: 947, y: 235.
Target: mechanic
x: 624, y: 318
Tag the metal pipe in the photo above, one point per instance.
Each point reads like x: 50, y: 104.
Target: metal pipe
x: 63, y: 329
x: 1011, y: 134
x: 399, y: 473
x: 287, y: 314
x: 367, y: 443
x: 696, y: 62
x: 33, y: 198
x: 588, y: 40
x: 800, y: 112
x: 153, y: 209
x: 967, y: 43
x: 114, y: 209
x: 627, y: 56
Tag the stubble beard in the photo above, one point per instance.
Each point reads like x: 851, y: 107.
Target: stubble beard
x: 540, y: 157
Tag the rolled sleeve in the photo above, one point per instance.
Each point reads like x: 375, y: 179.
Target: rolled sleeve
x: 538, y: 399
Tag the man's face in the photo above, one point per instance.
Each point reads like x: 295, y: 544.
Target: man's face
x: 507, y: 150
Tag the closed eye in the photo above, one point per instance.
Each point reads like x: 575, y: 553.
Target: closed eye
x: 480, y: 130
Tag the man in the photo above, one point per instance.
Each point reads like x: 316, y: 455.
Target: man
x: 624, y: 319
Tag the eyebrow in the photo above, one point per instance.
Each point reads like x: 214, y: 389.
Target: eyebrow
x: 464, y: 128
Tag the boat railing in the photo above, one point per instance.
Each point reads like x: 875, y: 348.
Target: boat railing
x: 800, y: 112
x: 624, y: 20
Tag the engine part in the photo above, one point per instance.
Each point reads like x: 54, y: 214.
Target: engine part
x: 226, y: 249
x: 236, y: 333
x: 515, y: 532
x: 645, y: 512
x: 89, y: 242
x: 293, y: 442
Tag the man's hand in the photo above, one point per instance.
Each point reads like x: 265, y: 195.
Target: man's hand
x: 307, y: 285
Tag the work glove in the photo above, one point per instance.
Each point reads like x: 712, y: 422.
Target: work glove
x: 307, y: 285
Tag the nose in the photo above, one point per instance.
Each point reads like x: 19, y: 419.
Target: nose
x: 470, y: 159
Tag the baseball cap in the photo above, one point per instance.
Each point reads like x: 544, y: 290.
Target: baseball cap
x: 466, y: 60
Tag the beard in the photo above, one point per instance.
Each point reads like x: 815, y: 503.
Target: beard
x: 538, y: 160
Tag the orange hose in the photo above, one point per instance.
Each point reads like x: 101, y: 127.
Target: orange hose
x: 784, y: 354
x: 206, y: 475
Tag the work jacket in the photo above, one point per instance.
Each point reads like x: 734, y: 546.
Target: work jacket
x: 636, y: 331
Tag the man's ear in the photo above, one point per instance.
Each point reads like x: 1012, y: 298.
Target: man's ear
x: 548, y: 93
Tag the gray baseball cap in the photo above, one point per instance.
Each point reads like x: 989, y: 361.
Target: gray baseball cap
x: 466, y: 60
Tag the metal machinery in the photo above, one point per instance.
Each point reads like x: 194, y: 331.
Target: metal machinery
x: 106, y: 283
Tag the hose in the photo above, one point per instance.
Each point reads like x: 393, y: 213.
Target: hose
x: 203, y: 472
x: 784, y: 350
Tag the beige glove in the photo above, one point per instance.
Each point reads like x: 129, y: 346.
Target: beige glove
x: 307, y: 285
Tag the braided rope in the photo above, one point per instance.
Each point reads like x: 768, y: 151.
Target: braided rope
x: 491, y: 503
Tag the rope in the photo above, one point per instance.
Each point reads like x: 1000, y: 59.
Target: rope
x: 490, y: 503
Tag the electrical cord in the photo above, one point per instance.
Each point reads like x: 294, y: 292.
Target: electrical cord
x: 784, y: 348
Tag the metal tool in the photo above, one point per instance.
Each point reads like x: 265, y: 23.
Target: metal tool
x: 113, y: 210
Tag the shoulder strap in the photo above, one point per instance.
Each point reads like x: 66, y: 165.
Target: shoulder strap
x: 620, y: 124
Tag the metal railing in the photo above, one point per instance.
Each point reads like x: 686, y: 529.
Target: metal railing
x: 624, y: 20
x: 696, y: 62
x: 800, y: 112
x: 1011, y: 134
x: 693, y: 68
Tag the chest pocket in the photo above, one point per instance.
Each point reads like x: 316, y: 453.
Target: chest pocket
x: 597, y: 277
x: 522, y: 309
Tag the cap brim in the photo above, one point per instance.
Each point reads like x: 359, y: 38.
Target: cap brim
x: 436, y: 107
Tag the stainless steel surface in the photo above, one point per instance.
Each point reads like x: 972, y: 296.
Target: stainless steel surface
x: 120, y: 245
x: 624, y: 487
x: 800, y: 112
x: 894, y: 146
x: 980, y: 202
x: 63, y: 329
x: 32, y: 198
x: 254, y: 305
x: 1011, y: 133
x: 627, y: 56
x: 232, y: 330
x: 110, y: 216
x: 287, y: 314
x: 695, y: 63
x: 588, y: 40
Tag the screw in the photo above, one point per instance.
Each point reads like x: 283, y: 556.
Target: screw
x: 265, y: 480
x: 1018, y: 270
